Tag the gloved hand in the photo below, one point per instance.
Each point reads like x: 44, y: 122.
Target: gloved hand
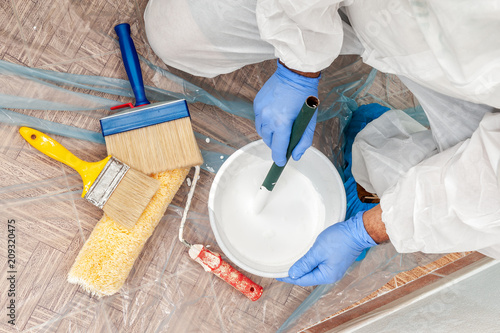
x: 333, y: 252
x: 276, y: 106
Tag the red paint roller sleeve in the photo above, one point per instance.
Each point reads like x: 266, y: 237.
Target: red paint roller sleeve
x: 212, y: 262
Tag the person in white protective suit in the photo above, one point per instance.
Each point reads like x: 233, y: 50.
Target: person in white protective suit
x: 439, y: 188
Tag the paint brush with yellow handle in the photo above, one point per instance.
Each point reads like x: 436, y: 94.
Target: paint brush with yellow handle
x: 120, y: 191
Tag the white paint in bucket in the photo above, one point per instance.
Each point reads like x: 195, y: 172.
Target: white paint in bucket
x: 308, y: 197
x: 285, y: 228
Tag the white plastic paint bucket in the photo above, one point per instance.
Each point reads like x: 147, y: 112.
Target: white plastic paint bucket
x: 272, y: 259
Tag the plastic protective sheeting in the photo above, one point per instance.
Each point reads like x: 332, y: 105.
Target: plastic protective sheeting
x: 60, y: 71
x: 466, y: 301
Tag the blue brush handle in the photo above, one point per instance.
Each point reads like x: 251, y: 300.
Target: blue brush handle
x: 131, y: 62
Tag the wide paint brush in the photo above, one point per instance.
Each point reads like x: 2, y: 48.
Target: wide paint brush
x: 298, y: 128
x: 123, y: 193
x: 149, y: 137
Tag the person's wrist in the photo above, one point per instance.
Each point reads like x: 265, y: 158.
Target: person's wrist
x: 300, y: 82
x: 358, y: 231
x: 312, y: 75
x: 374, y: 226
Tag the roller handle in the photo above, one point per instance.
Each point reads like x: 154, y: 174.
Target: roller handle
x: 214, y: 263
x: 298, y: 128
x: 131, y: 62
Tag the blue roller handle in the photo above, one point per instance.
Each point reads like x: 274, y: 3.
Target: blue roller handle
x: 131, y: 62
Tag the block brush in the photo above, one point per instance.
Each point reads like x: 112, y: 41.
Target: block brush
x: 149, y: 137
x: 120, y: 191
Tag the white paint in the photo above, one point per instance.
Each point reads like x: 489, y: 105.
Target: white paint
x: 287, y: 226
x: 261, y: 199
x: 194, y: 252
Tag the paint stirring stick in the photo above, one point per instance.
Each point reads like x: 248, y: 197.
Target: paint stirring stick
x: 298, y: 128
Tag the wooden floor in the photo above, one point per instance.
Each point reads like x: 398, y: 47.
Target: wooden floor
x: 166, y: 291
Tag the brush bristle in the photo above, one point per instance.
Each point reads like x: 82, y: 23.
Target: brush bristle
x: 156, y: 148
x: 131, y: 197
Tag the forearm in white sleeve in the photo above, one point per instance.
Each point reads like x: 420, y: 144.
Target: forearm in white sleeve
x: 451, y: 201
x: 307, y: 35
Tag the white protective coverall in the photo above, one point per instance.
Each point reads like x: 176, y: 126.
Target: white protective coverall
x: 439, y: 188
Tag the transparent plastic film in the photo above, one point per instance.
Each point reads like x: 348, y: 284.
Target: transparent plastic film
x: 60, y: 72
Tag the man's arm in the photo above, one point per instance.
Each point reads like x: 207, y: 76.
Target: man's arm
x: 450, y: 201
x: 307, y: 35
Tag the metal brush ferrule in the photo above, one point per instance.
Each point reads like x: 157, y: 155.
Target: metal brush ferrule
x: 107, y: 181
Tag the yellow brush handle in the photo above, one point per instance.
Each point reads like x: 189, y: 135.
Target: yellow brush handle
x: 50, y: 147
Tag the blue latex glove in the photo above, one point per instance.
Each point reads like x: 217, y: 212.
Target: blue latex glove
x: 276, y: 106
x: 334, y: 251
